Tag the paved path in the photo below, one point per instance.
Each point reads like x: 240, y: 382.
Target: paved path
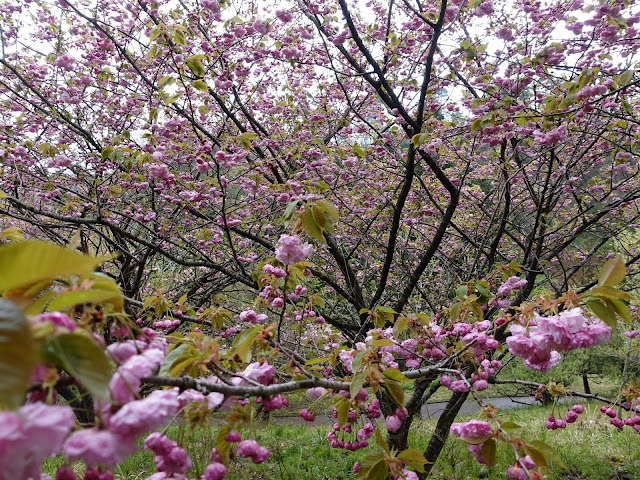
x: 429, y: 410
x: 435, y: 409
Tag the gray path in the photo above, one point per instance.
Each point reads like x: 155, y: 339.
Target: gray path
x: 429, y: 410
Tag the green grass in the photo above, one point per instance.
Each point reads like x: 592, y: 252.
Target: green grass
x: 590, y: 448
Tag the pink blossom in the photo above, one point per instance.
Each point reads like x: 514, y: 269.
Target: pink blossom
x: 552, y: 137
x: 516, y: 472
x: 175, y: 461
x: 480, y: 385
x: 307, y: 415
x: 126, y: 381
x: 63, y: 323
x: 260, y: 372
x: 141, y: 416
x: 505, y: 33
x: 233, y: 436
x: 159, y: 443
x: 251, y: 448
x: 316, y: 392
x: 211, y: 5
x: 253, y: 317
x: 473, y: 431
x: 289, y: 249
x: 98, y: 447
x: 215, y: 471
x: 65, y: 62
x: 30, y: 435
x: 513, y: 283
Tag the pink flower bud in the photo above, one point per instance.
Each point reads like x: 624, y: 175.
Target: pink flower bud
x: 393, y: 423
x: 578, y: 408
x: 215, y: 471
x: 233, y: 436
x: 571, y: 416
x: 616, y: 422
x: 307, y: 415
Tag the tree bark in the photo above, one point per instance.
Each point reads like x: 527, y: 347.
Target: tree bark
x: 585, y: 383
x: 440, y: 434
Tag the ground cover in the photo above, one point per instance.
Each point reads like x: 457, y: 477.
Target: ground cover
x: 590, y: 449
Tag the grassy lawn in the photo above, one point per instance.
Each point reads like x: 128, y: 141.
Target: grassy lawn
x: 590, y: 448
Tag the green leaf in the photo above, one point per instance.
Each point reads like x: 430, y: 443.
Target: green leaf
x: 383, y: 342
x: 310, y: 226
x: 510, y: 427
x: 12, y: 233
x: 380, y: 471
x: 602, y: 312
x: 372, y: 467
x: 382, y: 442
x: 343, y: 411
x: 395, y: 391
x: 243, y: 343
x: 172, y: 98
x: 626, y: 77
x: 548, y: 452
x: 17, y: 355
x: 454, y: 311
x: 249, y: 136
x: 568, y: 100
x: 482, y: 290
x: 172, y: 358
x: 358, y: 150
x: 620, y: 308
x: 103, y: 291
x: 488, y: 451
x: 395, y: 374
x: 612, y: 272
x: 461, y: 292
x: 165, y: 81
x: 402, y: 323
x: 537, y: 456
x: 315, y: 360
x: 609, y: 292
x: 356, y: 364
x: 292, y: 207
x: 66, y: 300
x: 203, y: 109
x: 356, y: 384
x: 195, y: 65
x: 200, y: 85
x: 83, y: 359
x: 25, y: 263
x: 3, y: 195
x: 413, y: 458
x: 330, y: 209
x: 319, y: 218
x: 179, y: 38
x: 39, y: 305
x: 222, y: 446
x: 476, y: 125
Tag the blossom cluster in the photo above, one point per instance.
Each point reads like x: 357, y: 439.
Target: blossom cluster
x: 541, y: 341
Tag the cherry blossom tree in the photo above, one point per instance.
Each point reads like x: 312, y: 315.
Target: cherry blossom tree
x: 366, y: 183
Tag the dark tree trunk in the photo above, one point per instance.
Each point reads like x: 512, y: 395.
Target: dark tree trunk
x: 80, y: 401
x: 440, y: 434
x: 585, y: 383
x: 399, y: 439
